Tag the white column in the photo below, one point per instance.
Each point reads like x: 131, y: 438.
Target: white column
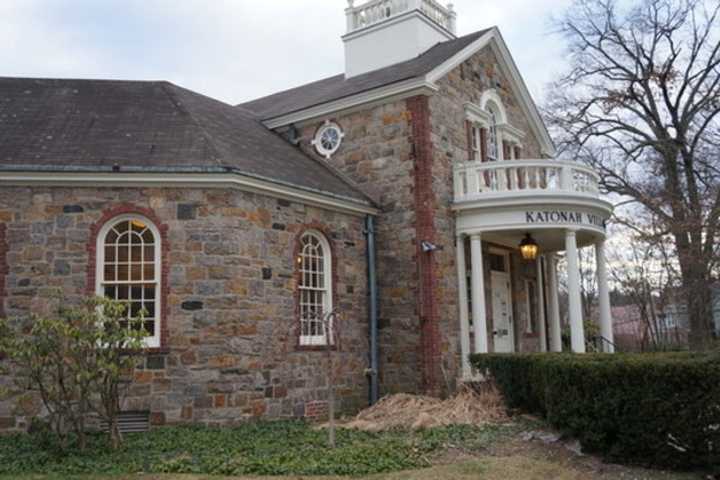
x: 463, y: 306
x: 577, y: 329
x: 606, y: 327
x: 554, y: 305
x: 478, y: 295
x: 541, y: 304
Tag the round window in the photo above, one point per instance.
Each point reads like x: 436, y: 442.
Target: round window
x: 328, y: 139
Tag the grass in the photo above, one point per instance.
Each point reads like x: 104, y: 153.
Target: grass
x: 298, y: 451
x: 271, y: 448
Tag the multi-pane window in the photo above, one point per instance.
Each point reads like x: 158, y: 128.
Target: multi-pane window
x: 129, y: 271
x: 315, y: 288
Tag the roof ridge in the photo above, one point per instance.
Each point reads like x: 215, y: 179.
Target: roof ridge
x: 210, y: 143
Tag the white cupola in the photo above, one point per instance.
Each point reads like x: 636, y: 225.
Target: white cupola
x: 384, y: 32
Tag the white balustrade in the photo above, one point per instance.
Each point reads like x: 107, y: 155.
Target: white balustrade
x: 375, y: 11
x: 474, y: 180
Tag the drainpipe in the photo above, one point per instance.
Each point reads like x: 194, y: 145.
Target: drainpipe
x: 373, y: 308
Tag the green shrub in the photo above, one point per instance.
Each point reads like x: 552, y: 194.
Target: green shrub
x: 79, y: 360
x: 652, y: 409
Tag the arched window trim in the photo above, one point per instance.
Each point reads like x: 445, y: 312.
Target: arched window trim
x: 153, y: 341
x: 480, y: 117
x: 305, y: 340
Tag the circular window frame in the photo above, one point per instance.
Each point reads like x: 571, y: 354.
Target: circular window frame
x: 317, y: 140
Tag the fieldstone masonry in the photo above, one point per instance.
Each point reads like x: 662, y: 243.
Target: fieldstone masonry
x: 229, y: 346
x: 230, y: 343
x: 380, y: 154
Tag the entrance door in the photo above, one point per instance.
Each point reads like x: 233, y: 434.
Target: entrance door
x: 503, y: 335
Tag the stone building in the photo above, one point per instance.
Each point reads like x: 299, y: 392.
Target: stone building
x: 397, y: 193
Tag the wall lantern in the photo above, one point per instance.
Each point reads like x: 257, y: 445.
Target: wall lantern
x: 529, y: 247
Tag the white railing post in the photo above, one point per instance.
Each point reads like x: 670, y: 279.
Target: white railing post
x: 350, y: 15
x: 473, y: 181
x: 566, y: 178
x: 453, y: 18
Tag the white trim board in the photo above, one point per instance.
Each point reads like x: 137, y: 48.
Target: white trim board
x: 393, y: 92
x: 174, y: 180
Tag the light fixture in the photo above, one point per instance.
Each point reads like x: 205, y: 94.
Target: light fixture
x: 529, y: 247
x: 428, y: 247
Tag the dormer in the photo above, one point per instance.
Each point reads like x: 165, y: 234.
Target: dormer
x: 385, y: 32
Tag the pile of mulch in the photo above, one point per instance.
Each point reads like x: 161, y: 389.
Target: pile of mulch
x: 476, y: 405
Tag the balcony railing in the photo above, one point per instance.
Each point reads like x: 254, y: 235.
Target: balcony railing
x: 477, y: 180
x: 376, y: 11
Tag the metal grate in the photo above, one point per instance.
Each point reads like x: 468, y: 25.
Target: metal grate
x: 130, y: 422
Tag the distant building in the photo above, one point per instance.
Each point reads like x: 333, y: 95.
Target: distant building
x: 674, y: 317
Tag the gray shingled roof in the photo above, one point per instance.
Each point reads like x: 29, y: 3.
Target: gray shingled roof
x: 337, y: 87
x: 53, y: 124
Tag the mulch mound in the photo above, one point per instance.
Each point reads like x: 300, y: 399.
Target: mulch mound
x: 476, y: 405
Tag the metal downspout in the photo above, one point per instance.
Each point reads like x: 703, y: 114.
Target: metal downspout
x: 373, y: 308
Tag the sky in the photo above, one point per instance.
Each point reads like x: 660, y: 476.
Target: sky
x: 233, y: 50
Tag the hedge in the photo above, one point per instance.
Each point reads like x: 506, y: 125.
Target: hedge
x: 652, y: 409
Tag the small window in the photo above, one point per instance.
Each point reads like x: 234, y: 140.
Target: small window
x: 128, y: 270
x: 532, y: 311
x: 315, y: 288
x: 498, y: 262
x: 328, y: 139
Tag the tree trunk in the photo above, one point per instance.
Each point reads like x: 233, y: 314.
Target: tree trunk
x: 698, y: 298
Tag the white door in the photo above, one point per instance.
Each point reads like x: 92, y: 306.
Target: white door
x: 503, y: 336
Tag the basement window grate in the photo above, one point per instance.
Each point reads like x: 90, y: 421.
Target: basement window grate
x: 130, y: 422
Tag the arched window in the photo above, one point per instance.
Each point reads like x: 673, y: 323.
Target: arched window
x: 492, y: 148
x: 129, y: 270
x: 315, y: 287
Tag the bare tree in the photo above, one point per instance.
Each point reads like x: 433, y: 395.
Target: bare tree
x: 641, y: 103
x: 640, y: 273
x: 331, y: 325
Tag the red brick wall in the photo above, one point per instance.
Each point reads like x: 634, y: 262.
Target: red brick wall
x: 425, y: 202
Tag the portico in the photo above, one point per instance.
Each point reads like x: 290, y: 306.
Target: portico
x: 498, y: 204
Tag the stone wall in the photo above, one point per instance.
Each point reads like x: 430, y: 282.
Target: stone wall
x: 381, y: 153
x: 465, y: 83
x: 377, y: 155
x: 231, y: 347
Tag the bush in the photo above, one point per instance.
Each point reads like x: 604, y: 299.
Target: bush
x: 651, y: 409
x: 78, y: 360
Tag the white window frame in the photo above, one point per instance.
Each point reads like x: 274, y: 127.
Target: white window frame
x: 317, y: 142
x: 150, y: 341
x: 476, y: 142
x: 327, y: 298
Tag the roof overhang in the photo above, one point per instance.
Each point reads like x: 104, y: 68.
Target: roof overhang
x: 427, y: 85
x: 393, y: 92
x: 191, y: 178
